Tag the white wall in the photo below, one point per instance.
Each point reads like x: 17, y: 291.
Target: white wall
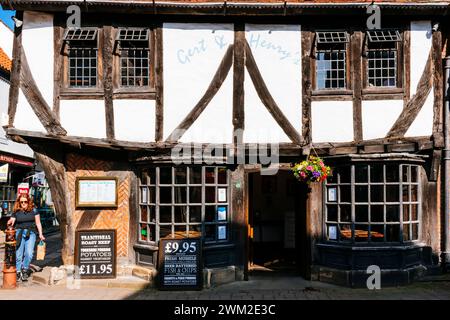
x: 25, y: 118
x: 378, y: 117
x: 6, y: 39
x: 277, y: 52
x: 332, y: 121
x: 84, y: 118
x: 134, y: 120
x: 192, y: 54
x: 423, y: 124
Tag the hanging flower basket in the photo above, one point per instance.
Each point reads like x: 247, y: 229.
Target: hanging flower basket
x: 311, y: 170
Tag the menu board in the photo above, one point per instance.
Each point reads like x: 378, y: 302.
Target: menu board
x: 179, y: 264
x: 96, y: 192
x: 95, y: 253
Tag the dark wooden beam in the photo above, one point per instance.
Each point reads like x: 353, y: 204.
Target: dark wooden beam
x: 37, y: 101
x: 306, y: 85
x: 267, y: 99
x: 52, y: 161
x: 438, y: 86
x: 15, y: 72
x: 356, y: 53
x: 238, y: 85
x: 416, y: 103
x: 159, y: 115
x: 213, y: 88
x: 406, y: 66
x: 107, y: 60
x: 58, y: 68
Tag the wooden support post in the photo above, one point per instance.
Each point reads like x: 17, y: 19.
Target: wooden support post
x: 357, y: 85
x: 306, y: 85
x: 108, y: 43
x: 159, y: 118
x: 15, y: 72
x: 238, y: 86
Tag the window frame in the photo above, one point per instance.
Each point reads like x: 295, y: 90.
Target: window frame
x: 353, y: 203
x: 66, y: 91
x: 347, y: 90
x: 402, y: 48
x: 203, y: 204
x: 142, y: 92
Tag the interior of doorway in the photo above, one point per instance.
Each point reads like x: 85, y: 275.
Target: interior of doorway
x: 277, y: 224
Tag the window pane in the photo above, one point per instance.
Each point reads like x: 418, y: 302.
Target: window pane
x: 362, y: 213
x: 345, y: 233
x: 361, y: 233
x: 195, y: 231
x: 405, y: 170
x: 180, y: 214
x: 414, y: 215
x: 405, y: 193
x: 195, y: 194
x: 210, y: 232
x: 346, y: 213
x: 195, y: 175
x: 376, y: 173
x: 180, y: 175
x: 361, y: 173
x: 415, y: 231
x: 210, y: 194
x: 377, y: 233
x: 405, y: 212
x: 195, y: 214
x: 222, y: 175
x: 393, y: 213
x: 152, y: 195
x: 377, y: 213
x: 377, y: 193
x: 393, y: 233
x: 333, y: 177
x: 392, y: 193
x: 180, y: 194
x: 152, y: 214
x: 165, y: 195
x: 144, y: 214
x: 413, y: 173
x: 143, y: 232
x: 165, y: 214
x: 181, y: 231
x: 392, y: 173
x: 361, y: 193
x: 210, y: 175
x: 345, y: 174
x: 413, y: 193
x: 165, y: 231
x: 151, y: 232
x: 165, y: 175
x: 331, y: 212
x: 406, y: 236
x: 210, y: 213
x: 345, y: 193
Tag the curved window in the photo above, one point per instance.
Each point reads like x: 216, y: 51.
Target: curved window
x: 373, y: 203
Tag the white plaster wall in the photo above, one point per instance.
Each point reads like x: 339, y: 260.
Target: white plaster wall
x: 423, y: 124
x: 192, y: 54
x: 134, y: 120
x: 420, y: 48
x: 378, y: 117
x: 277, y: 52
x: 6, y: 39
x: 37, y: 41
x: 332, y: 121
x: 83, y: 118
x: 25, y: 118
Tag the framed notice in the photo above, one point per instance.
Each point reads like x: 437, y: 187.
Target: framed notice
x: 95, y: 253
x: 332, y: 195
x: 221, y: 232
x: 222, y: 194
x: 221, y: 213
x: 96, y: 192
x: 332, y: 232
x: 179, y: 264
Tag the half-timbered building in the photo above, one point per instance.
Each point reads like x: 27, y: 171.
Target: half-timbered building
x: 199, y: 108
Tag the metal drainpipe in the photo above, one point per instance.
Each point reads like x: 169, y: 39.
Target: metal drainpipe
x: 446, y: 251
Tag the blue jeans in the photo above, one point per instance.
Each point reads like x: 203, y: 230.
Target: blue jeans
x: 25, y: 251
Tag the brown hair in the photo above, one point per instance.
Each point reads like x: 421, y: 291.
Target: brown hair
x: 18, y: 207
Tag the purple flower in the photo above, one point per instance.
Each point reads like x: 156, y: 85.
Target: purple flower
x: 316, y: 174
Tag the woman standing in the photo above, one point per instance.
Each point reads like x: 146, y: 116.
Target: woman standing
x: 28, y: 225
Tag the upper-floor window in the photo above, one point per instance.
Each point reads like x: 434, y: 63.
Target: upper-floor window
x: 134, y: 55
x: 82, y: 52
x: 331, y: 56
x: 383, y: 49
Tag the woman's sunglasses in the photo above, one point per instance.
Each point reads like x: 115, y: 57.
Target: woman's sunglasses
x: 26, y: 201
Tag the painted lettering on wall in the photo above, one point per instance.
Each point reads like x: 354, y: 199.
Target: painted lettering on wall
x: 258, y: 41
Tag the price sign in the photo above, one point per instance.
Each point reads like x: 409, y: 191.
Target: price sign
x: 96, y: 253
x: 180, y: 264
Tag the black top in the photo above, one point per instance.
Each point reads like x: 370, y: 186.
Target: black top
x: 25, y: 219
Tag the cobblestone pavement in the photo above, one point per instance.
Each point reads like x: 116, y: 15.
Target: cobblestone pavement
x: 261, y: 287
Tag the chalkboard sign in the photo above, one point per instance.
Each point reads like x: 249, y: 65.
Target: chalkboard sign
x: 179, y: 264
x: 95, y: 253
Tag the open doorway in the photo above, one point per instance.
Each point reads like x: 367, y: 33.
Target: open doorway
x: 277, y: 224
